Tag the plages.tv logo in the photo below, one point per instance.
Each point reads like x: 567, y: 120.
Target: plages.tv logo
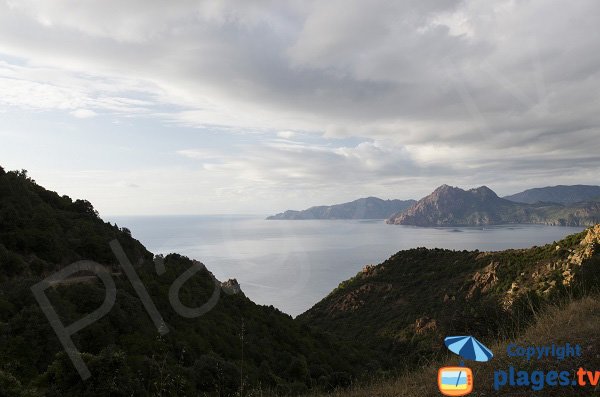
x: 458, y: 381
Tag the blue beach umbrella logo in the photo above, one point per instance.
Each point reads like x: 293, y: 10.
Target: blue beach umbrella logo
x: 458, y: 381
x: 468, y: 348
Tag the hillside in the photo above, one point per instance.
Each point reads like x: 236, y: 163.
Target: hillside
x: 572, y: 321
x: 42, y: 232
x: 452, y: 206
x: 557, y: 194
x: 364, y: 208
x: 407, y: 304
x: 386, y: 319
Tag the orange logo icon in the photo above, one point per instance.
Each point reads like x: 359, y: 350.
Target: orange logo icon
x: 455, y: 381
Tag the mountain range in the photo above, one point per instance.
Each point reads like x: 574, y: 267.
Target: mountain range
x: 576, y: 205
x: 364, y: 208
x: 387, y: 320
x: 452, y: 206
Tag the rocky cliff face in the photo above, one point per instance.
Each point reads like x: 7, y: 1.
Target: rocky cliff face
x: 232, y: 287
x: 452, y: 206
x: 545, y: 278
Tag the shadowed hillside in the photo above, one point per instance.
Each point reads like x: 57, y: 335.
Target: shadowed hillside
x: 379, y: 324
x: 237, y: 345
x: 574, y: 322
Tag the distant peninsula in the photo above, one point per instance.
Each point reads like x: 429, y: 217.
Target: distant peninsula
x: 560, y: 194
x: 574, y: 205
x: 452, y: 206
x: 363, y: 208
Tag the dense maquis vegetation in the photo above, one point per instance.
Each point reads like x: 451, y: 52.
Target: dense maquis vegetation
x: 406, y: 305
x: 41, y: 232
x: 381, y: 322
x: 574, y: 321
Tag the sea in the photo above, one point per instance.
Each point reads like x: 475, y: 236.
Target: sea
x: 292, y: 264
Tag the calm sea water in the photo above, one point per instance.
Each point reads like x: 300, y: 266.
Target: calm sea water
x: 293, y: 264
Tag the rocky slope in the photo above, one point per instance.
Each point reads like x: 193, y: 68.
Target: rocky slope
x: 404, y: 306
x: 364, y: 208
x: 557, y: 194
x: 452, y: 206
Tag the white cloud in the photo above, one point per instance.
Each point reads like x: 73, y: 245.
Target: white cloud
x: 48, y: 88
x: 433, y: 89
x: 200, y: 154
x: 34, y: 95
x: 286, y: 134
x: 341, y: 68
x: 83, y: 113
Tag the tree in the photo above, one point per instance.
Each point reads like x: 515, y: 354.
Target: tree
x: 112, y: 376
x: 22, y: 175
x: 298, y: 369
x: 9, y: 385
x: 265, y: 374
x: 85, y: 207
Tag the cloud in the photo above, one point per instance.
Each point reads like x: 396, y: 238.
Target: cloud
x: 424, y: 89
x: 286, y: 134
x: 34, y: 95
x: 48, y: 88
x: 200, y: 154
x: 285, y: 173
x: 348, y: 68
x: 84, y: 113
x: 293, y: 167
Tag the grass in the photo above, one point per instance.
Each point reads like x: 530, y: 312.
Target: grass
x: 575, y: 322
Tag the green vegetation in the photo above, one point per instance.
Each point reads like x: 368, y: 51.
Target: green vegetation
x: 570, y: 321
x: 377, y: 325
x: 41, y: 232
x: 403, y: 308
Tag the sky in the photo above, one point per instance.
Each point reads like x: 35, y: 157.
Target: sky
x: 151, y: 107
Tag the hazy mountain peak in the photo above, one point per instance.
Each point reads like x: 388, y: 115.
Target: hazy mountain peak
x: 484, y: 191
x: 453, y: 206
x: 445, y: 188
x: 562, y: 194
